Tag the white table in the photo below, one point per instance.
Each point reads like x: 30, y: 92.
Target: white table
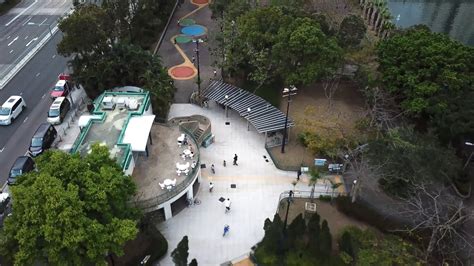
x: 168, y: 182
x: 182, y: 167
x: 187, y: 152
x: 180, y: 138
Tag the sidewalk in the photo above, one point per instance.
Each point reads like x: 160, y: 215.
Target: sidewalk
x: 171, y: 57
x: 255, y: 198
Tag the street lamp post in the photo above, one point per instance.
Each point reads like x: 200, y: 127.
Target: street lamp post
x: 226, y: 101
x: 197, y: 41
x: 290, y: 197
x: 287, y: 92
x: 470, y: 156
x: 248, y: 115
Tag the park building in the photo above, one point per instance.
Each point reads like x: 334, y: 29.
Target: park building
x: 162, y: 158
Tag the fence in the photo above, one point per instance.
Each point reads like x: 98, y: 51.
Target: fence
x: 312, y: 194
x: 190, y: 178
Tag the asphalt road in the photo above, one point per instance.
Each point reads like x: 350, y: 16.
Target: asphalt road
x: 24, y: 26
x: 33, y: 83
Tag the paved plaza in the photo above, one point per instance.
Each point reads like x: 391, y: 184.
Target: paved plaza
x: 258, y: 185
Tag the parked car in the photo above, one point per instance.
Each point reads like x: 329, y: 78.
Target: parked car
x: 5, y: 207
x: 22, y: 164
x: 58, y: 110
x: 61, y: 89
x: 42, y: 139
x: 11, y: 109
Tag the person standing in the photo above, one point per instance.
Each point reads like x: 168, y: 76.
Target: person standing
x: 298, y: 174
x: 213, y: 170
x: 211, y: 187
x: 227, y: 205
x: 226, y: 229
x: 235, y: 159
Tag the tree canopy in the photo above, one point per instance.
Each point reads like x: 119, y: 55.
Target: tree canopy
x: 432, y: 77
x: 180, y: 253
x: 271, y: 43
x: 351, y: 31
x: 73, y: 211
x: 403, y: 157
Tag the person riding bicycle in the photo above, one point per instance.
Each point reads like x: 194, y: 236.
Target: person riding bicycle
x: 211, y: 186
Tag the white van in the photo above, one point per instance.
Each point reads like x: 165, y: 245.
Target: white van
x: 11, y: 109
x: 58, y: 110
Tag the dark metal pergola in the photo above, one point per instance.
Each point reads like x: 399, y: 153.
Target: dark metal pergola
x: 263, y: 116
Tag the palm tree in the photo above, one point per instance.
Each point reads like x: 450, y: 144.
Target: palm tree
x: 315, y: 175
x: 368, y: 9
x: 334, y: 186
x: 387, y: 29
x: 375, y: 9
x: 381, y: 6
x: 384, y: 14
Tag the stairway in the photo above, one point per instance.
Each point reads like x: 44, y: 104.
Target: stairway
x: 197, y: 134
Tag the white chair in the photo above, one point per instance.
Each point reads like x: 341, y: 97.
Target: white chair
x: 186, y: 172
x: 183, y: 156
x: 178, y: 172
x: 193, y: 164
x: 162, y: 185
x: 174, y: 182
x: 186, y: 165
x: 177, y: 166
x: 191, y: 155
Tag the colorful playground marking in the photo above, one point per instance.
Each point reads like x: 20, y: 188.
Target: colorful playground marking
x: 190, y: 30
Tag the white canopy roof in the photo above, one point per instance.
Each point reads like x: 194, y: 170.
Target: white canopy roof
x: 84, y: 119
x: 137, y: 131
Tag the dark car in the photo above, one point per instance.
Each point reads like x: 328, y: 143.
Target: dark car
x: 22, y: 164
x: 42, y: 139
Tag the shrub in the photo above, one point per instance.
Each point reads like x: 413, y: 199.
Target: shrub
x: 325, y: 198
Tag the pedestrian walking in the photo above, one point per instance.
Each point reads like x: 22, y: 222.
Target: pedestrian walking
x: 211, y: 187
x: 235, y: 159
x: 225, y: 163
x: 226, y: 229
x: 213, y: 170
x: 227, y: 205
x: 298, y: 174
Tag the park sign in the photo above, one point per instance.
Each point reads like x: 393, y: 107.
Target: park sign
x: 319, y: 162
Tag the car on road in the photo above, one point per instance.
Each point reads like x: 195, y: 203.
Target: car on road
x: 11, y: 109
x: 5, y: 207
x: 42, y: 139
x: 22, y: 165
x: 61, y: 89
x: 58, y: 110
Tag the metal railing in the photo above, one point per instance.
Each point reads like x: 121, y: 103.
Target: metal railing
x: 162, y: 198
x: 307, y: 195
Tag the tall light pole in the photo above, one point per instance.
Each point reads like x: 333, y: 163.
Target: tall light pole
x: 196, y: 50
x: 248, y: 125
x: 226, y: 101
x: 470, y: 156
x: 287, y: 92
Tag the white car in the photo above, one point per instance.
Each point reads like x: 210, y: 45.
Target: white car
x: 11, y: 109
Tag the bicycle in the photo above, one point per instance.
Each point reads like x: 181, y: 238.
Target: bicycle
x: 192, y: 202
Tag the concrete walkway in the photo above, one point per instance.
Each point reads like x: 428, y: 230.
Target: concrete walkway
x: 255, y: 198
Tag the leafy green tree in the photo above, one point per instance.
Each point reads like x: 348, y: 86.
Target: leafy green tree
x: 351, y: 31
x: 345, y: 244
x: 296, y: 230
x: 430, y: 74
x: 96, y: 39
x: 122, y: 65
x: 73, y: 212
x: 404, y: 157
x: 369, y: 249
x: 180, y: 253
x: 273, y: 44
x: 325, y: 240
x: 314, y: 233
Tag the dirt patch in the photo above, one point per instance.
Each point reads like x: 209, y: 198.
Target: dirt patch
x: 311, y: 104
x: 336, y: 220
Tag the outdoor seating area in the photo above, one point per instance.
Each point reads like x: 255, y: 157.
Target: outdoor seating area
x: 172, y: 158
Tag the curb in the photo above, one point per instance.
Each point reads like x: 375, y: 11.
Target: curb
x: 160, y: 41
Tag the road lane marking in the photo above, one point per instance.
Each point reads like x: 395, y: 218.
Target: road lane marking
x: 21, y: 13
x: 28, y: 20
x: 26, y: 37
x: 2, y: 149
x: 9, y: 37
x: 21, y: 93
x: 43, y: 96
x: 54, y: 56
x: 14, y: 40
x: 32, y: 40
x: 11, y: 51
x: 43, y: 22
x: 37, y: 74
x: 25, y: 119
